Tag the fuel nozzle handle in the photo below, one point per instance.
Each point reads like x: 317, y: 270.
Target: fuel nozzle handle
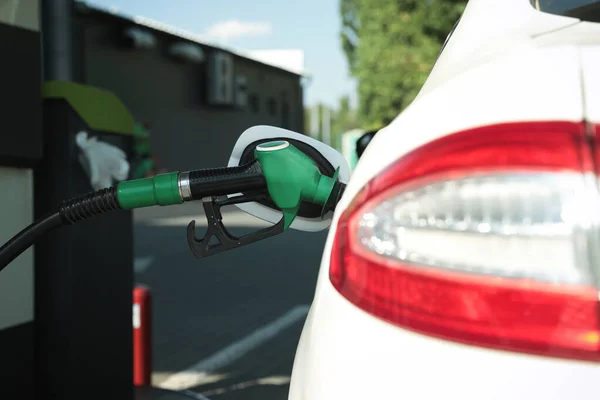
x: 178, y: 187
x: 200, y: 183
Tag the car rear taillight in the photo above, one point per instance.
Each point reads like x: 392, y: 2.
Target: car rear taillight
x: 481, y: 237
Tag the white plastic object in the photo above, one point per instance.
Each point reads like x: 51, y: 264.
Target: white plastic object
x: 103, y: 162
x: 258, y: 210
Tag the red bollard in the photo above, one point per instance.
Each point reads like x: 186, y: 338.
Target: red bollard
x: 142, y: 336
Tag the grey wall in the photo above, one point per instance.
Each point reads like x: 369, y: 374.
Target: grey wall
x: 16, y: 197
x: 16, y: 281
x: 21, y: 13
x: 185, y: 132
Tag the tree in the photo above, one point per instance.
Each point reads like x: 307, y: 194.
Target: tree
x: 391, y: 46
x: 350, y: 29
x: 344, y: 118
x: 307, y: 121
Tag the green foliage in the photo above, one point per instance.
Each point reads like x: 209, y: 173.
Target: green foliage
x: 350, y: 29
x: 344, y: 118
x: 306, y: 121
x: 391, y: 46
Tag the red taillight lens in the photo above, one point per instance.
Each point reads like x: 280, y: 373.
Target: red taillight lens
x: 481, y: 237
x: 595, y: 129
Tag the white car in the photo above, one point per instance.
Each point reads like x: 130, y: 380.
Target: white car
x: 463, y: 261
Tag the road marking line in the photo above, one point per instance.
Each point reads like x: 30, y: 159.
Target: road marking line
x: 141, y: 264
x: 270, y: 380
x: 195, y: 395
x: 194, y: 375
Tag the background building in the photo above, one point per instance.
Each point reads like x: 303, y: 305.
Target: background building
x: 197, y: 99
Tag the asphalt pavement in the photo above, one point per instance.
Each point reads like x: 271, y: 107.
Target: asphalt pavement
x: 225, y: 326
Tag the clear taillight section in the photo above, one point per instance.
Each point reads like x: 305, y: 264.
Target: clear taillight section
x: 481, y: 237
x: 514, y: 225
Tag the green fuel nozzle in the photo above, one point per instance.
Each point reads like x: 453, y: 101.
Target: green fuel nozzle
x: 292, y: 178
x: 289, y: 176
x: 280, y: 174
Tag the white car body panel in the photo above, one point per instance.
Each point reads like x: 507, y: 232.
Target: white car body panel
x: 590, y: 65
x: 345, y: 353
x: 494, y: 28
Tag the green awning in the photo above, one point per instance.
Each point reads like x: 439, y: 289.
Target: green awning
x: 100, y: 109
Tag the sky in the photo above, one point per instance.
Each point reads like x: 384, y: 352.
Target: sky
x: 310, y: 25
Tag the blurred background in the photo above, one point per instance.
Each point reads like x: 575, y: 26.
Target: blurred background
x: 194, y: 75
x: 327, y: 68
x: 323, y: 68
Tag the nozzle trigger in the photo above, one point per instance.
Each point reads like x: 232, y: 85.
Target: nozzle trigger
x: 226, y: 241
